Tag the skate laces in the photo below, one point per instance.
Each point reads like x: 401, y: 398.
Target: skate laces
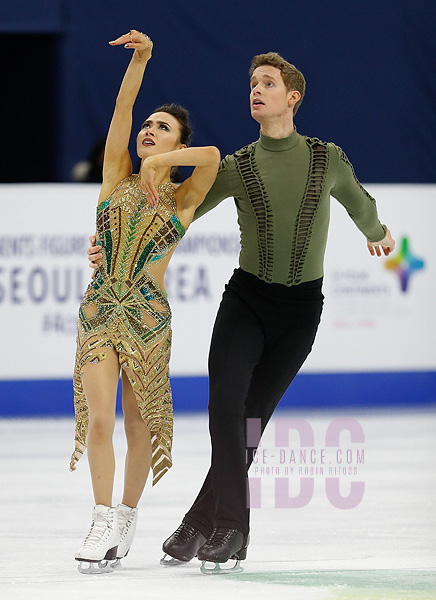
x: 99, y: 527
x: 125, y: 522
x: 184, y: 533
x: 220, y: 535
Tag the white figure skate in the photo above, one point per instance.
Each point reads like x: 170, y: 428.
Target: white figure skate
x: 100, y: 545
x: 127, y: 518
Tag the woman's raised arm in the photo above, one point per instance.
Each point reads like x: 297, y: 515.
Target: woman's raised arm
x: 117, y: 163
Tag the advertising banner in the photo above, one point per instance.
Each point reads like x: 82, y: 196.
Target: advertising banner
x: 378, y: 315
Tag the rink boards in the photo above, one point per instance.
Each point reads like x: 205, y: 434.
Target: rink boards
x: 375, y: 344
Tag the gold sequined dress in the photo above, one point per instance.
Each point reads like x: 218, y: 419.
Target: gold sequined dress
x: 124, y: 308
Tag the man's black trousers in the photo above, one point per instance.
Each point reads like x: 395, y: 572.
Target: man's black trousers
x: 263, y: 333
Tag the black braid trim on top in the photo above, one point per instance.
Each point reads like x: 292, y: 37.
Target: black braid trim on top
x: 249, y: 173
x: 318, y: 164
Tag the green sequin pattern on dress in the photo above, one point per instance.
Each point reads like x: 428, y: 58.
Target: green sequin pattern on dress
x: 124, y: 308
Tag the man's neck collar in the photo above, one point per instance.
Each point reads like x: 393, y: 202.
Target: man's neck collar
x: 279, y: 144
x: 277, y: 129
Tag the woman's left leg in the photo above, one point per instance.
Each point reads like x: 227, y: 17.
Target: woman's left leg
x: 138, y: 458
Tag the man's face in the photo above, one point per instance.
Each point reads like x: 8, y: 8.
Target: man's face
x: 269, y: 97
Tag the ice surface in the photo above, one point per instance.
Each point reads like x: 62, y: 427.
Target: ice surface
x: 384, y: 548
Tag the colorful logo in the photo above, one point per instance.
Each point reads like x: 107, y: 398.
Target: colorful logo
x: 404, y: 264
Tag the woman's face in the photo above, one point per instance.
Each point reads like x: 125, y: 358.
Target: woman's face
x: 159, y: 133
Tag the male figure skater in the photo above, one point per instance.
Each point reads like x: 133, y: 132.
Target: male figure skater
x: 271, y: 307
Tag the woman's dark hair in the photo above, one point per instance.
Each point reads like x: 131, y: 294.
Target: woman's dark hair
x: 182, y: 115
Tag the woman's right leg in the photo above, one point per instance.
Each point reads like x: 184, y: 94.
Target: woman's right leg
x: 100, y: 383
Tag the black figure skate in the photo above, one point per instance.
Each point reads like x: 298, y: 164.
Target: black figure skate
x: 182, y: 545
x: 224, y: 544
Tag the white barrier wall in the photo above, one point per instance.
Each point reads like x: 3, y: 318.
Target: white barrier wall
x: 369, y: 323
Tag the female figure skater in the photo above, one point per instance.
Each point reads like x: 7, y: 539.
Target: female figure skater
x: 124, y: 318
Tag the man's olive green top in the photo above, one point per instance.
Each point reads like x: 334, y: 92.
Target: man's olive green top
x: 282, y: 191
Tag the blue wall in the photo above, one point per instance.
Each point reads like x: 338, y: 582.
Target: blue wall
x: 308, y: 391
x: 369, y: 68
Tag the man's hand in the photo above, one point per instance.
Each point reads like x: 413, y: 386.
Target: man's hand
x: 387, y: 244
x: 94, y: 253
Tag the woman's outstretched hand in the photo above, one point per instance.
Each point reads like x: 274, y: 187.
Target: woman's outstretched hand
x: 148, y: 186
x: 137, y: 40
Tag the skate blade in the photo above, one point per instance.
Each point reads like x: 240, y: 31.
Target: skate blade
x: 171, y: 561
x: 218, y: 570
x: 116, y: 564
x: 95, y: 568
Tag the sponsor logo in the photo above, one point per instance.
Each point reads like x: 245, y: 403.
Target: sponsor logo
x: 404, y: 264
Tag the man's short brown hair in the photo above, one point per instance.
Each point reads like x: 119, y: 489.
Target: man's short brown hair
x: 292, y: 77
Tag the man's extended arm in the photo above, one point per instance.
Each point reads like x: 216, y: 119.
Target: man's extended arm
x: 361, y: 206
x: 358, y: 203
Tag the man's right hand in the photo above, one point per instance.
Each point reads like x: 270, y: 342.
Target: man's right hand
x: 94, y: 253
